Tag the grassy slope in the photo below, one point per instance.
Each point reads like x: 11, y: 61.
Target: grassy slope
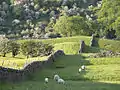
x: 19, y: 61
x: 70, y: 46
x: 101, y: 73
x: 70, y: 41
x: 98, y: 76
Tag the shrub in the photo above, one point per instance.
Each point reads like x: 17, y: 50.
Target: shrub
x: 72, y: 26
x: 29, y: 48
x: 14, y: 47
x: 33, y: 49
x: 48, y: 49
x: 4, y: 47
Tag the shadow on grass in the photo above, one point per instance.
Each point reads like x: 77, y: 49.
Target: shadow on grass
x: 64, y: 65
x: 19, y: 57
x: 89, y: 49
x: 67, y: 67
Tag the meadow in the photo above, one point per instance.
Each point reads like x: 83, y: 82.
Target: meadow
x: 101, y: 73
x: 98, y: 75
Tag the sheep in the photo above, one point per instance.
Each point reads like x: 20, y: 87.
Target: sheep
x: 79, y: 70
x: 56, y: 77
x: 46, y: 80
x: 61, y: 81
x: 83, y: 67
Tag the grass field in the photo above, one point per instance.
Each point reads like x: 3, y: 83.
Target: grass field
x: 70, y: 45
x: 101, y: 73
x: 98, y: 75
x: 19, y: 61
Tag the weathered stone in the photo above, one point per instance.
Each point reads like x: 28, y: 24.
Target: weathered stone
x: 92, y: 41
x: 13, y: 75
x: 82, y: 46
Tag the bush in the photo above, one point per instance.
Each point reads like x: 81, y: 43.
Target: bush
x: 14, y: 47
x: 33, y: 49
x: 52, y: 35
x: 4, y: 47
x: 48, y: 49
x: 72, y: 26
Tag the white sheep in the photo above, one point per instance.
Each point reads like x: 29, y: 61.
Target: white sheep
x: 79, y: 70
x: 46, y: 80
x: 83, y: 67
x: 61, y: 81
x: 56, y: 77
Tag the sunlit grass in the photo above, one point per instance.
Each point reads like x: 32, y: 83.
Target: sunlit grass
x: 18, y: 61
x: 96, y: 77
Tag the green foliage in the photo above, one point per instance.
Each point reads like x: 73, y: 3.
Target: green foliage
x: 29, y: 48
x: 48, y: 49
x: 14, y: 47
x: 4, y: 47
x: 106, y: 44
x: 98, y: 76
x: 72, y: 26
x: 108, y: 15
x: 33, y: 49
x: 109, y: 44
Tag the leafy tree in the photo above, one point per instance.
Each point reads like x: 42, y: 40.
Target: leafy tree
x: 108, y: 17
x: 4, y: 47
x: 29, y: 48
x: 14, y: 47
x: 72, y: 26
x: 48, y: 49
x: 33, y: 49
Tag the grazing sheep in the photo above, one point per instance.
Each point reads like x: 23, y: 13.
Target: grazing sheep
x: 56, y: 77
x: 83, y: 67
x: 79, y: 70
x: 46, y: 80
x: 61, y: 81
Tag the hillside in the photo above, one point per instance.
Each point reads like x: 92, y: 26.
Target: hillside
x: 59, y: 45
x: 69, y: 45
x: 31, y: 18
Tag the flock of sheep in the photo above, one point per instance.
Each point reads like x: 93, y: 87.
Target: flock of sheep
x: 62, y: 81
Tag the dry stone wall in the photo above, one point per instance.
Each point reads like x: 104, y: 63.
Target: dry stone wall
x: 13, y: 75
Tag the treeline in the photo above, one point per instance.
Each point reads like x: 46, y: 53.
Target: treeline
x: 29, y: 48
x: 38, y: 19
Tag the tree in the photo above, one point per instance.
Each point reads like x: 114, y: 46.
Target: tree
x: 72, y: 26
x: 14, y: 47
x: 29, y: 48
x: 33, y: 49
x: 4, y: 47
x: 108, y: 17
x: 48, y: 49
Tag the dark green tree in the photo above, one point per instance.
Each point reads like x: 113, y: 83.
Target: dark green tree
x: 4, y: 46
x: 14, y: 48
x: 72, y: 26
x: 108, y: 17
